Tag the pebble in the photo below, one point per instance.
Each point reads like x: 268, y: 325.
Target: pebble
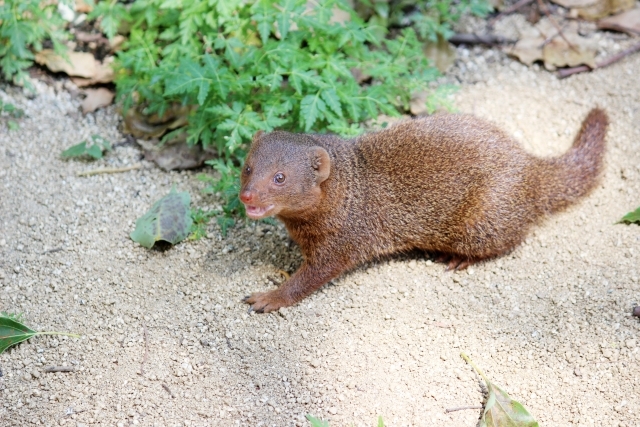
x: 315, y: 363
x: 631, y: 343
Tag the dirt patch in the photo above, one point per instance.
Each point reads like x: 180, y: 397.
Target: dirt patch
x: 549, y: 322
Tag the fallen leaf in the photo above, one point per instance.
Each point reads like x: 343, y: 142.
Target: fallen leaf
x: 104, y: 74
x: 592, y: 10
x: 147, y: 126
x: 316, y: 422
x: 83, y: 7
x: 96, y: 98
x: 80, y: 64
x: 13, y: 332
x: 558, y: 53
x: 169, y: 219
x: 501, y: 410
x: 631, y: 217
x: 95, y: 150
x: 441, y: 53
x: 627, y: 22
x: 528, y: 49
x: 175, y: 154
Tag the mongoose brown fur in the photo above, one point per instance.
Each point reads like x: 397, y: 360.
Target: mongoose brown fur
x: 449, y: 184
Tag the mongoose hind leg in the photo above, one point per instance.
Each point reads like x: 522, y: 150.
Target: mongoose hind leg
x: 455, y: 262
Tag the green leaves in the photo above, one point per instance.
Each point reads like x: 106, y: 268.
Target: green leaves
x: 25, y: 25
x: 632, y: 217
x: 500, y: 410
x: 169, y: 219
x: 95, y: 150
x: 13, y: 332
x: 316, y: 422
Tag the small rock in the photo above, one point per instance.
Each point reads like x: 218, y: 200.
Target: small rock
x: 577, y: 372
x: 35, y: 373
x: 443, y: 356
x: 333, y: 410
x: 636, y: 309
x: 631, y: 343
x: 315, y: 363
x: 229, y: 335
x: 607, y: 353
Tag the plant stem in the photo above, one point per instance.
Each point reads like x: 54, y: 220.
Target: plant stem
x: 473, y: 365
x: 58, y: 333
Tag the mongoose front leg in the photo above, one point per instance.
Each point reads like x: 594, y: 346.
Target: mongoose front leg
x: 304, y: 282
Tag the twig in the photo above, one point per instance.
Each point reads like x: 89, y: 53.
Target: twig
x: 59, y: 369
x: 544, y: 10
x: 462, y: 408
x: 487, y: 39
x: 166, y: 387
x: 110, y: 170
x: 566, y: 72
x: 509, y: 10
x: 146, y: 348
x: 50, y: 251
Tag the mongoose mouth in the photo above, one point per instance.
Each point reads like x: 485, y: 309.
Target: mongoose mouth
x: 257, y: 212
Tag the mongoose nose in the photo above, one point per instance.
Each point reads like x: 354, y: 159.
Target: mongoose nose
x: 246, y: 196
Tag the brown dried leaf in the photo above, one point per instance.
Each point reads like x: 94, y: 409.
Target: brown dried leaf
x: 595, y: 9
x: 154, y: 126
x: 528, y: 49
x: 80, y: 64
x: 441, y: 53
x: 175, y: 154
x: 558, y: 53
x: 96, y: 98
x: 104, y: 74
x: 83, y: 7
x: 627, y: 22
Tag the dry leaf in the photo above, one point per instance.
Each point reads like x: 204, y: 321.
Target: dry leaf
x: 154, y: 126
x: 80, y: 64
x: 116, y: 42
x: 418, y: 103
x: 627, y: 22
x: 441, y: 53
x: 595, y: 9
x: 528, y: 49
x: 96, y: 98
x: 104, y: 74
x: 83, y: 7
x: 175, y: 154
x: 558, y: 53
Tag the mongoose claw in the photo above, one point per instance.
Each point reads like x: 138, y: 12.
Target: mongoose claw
x: 457, y: 264
x: 266, y: 302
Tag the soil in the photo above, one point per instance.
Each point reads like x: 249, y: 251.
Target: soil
x: 166, y: 340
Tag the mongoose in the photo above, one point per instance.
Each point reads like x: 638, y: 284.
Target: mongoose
x: 452, y: 185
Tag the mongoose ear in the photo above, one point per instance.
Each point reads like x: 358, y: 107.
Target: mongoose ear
x: 257, y: 135
x: 321, y: 163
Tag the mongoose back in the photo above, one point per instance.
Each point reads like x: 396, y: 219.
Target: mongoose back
x: 452, y: 185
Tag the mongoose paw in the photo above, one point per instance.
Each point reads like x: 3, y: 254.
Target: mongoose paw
x: 265, y: 302
x: 454, y: 262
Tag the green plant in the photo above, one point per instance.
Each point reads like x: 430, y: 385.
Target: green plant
x: 430, y: 18
x: 10, y: 112
x: 24, y: 26
x: 200, y: 220
x: 264, y: 64
x: 94, y: 149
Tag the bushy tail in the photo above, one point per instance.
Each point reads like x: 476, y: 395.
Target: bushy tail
x: 574, y: 174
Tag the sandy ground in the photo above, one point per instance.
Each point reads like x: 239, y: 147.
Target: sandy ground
x: 549, y: 322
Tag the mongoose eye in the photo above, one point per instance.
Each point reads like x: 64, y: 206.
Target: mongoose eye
x: 278, y: 178
x: 247, y: 170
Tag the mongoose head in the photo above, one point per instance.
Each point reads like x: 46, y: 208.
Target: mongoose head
x: 282, y: 175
